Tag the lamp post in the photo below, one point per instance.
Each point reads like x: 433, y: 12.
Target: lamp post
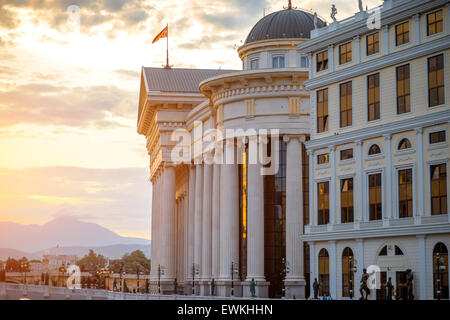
x: 120, y: 277
x: 24, y: 266
x: 137, y: 281
x: 351, y: 270
x: 438, y: 261
x: 234, y: 269
x: 284, y: 271
x: 160, y: 273
x: 195, y: 271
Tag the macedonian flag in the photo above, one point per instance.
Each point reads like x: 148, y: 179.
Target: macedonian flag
x: 162, y: 34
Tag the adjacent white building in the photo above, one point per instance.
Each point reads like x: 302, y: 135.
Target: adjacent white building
x: 379, y: 152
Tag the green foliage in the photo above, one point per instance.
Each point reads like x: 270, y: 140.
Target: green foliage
x: 92, y: 262
x: 132, y: 263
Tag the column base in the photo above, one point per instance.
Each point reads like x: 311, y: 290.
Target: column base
x: 261, y: 289
x: 225, y: 289
x: 295, y: 288
x: 205, y: 288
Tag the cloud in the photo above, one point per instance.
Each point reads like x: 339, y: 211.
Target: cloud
x: 116, y: 198
x: 48, y: 104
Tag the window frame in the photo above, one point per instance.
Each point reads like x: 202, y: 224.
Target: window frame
x: 278, y: 56
x: 397, y: 169
x: 340, y: 105
x: 427, y: 24
x: 317, y: 61
x: 307, y: 61
x: 381, y: 187
x: 428, y: 79
x: 318, y: 210
x: 326, y: 155
x: 367, y: 43
x: 346, y: 45
x: 317, y: 110
x: 379, y: 96
x: 341, y: 182
x: 257, y: 63
x: 445, y: 164
x: 366, y: 204
x: 408, y: 22
x: 347, y: 149
x: 437, y: 131
x: 396, y: 90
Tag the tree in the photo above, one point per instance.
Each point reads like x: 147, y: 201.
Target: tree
x: 92, y: 262
x: 12, y: 265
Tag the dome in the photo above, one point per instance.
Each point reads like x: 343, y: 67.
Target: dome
x: 289, y: 23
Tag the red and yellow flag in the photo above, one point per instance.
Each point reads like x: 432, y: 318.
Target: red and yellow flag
x: 162, y: 34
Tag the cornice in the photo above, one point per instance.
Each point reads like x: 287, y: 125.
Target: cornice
x: 354, y: 28
x: 380, y: 63
x: 379, y: 130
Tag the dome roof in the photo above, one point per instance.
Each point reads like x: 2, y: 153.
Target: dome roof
x: 289, y: 23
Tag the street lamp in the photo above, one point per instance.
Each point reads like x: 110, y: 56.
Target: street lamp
x: 234, y: 269
x: 284, y: 271
x: 24, y: 265
x: 137, y: 281
x: 351, y: 270
x: 160, y: 273
x: 195, y: 271
x: 440, y: 266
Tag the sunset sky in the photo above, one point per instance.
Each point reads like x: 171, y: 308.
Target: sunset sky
x: 68, y: 97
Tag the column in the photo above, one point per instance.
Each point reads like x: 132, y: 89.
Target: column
x: 420, y: 178
x: 154, y: 244
x: 333, y: 185
x: 186, y: 242
x: 448, y: 21
x: 215, y: 263
x: 206, y: 230
x: 312, y: 267
x: 311, y: 64
x: 360, y: 265
x: 360, y: 190
x: 168, y: 228
x: 386, y: 39
x: 198, y: 219
x: 357, y: 49
x: 229, y: 221
x: 417, y: 28
x: 422, y: 268
x: 191, y: 224
x: 388, y: 186
x: 295, y: 282
x: 255, y: 227
x: 311, y: 188
x: 331, y: 57
x: 333, y: 269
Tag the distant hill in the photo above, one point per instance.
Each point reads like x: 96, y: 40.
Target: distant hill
x: 112, y: 252
x: 6, y: 253
x: 65, y: 233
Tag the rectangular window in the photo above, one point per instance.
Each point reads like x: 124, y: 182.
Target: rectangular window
x: 403, y: 90
x: 373, y: 96
x: 405, y: 195
x: 254, y: 64
x: 434, y: 22
x: 438, y: 176
x: 345, y: 53
x: 437, y: 137
x: 322, y: 61
x: 436, y: 80
x: 347, y: 200
x: 323, y: 202
x: 322, y: 110
x: 346, y: 154
x: 278, y: 62
x: 322, y: 158
x: 346, y: 104
x: 375, y: 200
x: 304, y: 62
x: 372, y: 43
x: 402, y: 33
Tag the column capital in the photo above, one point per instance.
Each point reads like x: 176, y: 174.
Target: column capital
x: 387, y: 136
x: 357, y: 37
x: 332, y: 242
x: 332, y: 148
x: 386, y: 27
x: 289, y: 137
x: 331, y: 46
x: 418, y: 130
x: 311, y: 243
x: 360, y: 240
x: 309, y: 152
x: 421, y: 236
x: 358, y: 142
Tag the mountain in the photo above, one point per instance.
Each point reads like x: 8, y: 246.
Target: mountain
x: 112, y: 252
x: 16, y: 254
x: 61, y: 232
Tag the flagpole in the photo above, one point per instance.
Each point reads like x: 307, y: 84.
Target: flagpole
x: 167, y: 54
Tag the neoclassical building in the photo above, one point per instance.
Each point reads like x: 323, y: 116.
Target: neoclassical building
x: 228, y: 224
x: 325, y: 155
x: 379, y: 152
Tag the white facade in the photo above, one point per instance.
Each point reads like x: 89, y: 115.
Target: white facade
x: 407, y: 218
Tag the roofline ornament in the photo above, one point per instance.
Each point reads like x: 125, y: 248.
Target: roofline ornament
x: 289, y: 7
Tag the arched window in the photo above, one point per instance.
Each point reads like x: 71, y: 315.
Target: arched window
x: 404, y: 144
x: 348, y: 263
x: 391, y: 250
x: 324, y: 273
x: 440, y: 271
x: 398, y: 251
x: 374, y: 149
